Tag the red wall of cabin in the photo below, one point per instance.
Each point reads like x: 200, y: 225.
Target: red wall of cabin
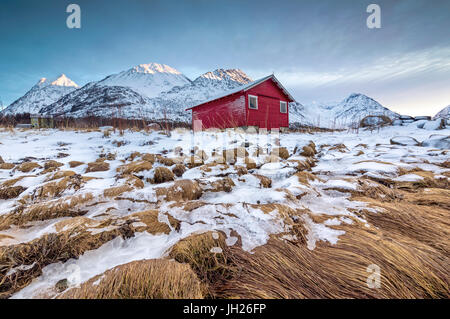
x: 233, y: 111
x: 226, y: 112
x: 268, y: 114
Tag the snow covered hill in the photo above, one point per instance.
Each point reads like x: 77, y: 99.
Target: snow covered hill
x: 201, y: 89
x: 444, y: 113
x: 147, y: 79
x: 119, y: 95
x: 43, y: 93
x: 342, y: 114
x: 156, y: 91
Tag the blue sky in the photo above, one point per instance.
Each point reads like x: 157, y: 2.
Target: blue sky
x: 321, y: 50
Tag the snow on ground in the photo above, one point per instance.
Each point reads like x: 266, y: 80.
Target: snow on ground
x: 241, y: 209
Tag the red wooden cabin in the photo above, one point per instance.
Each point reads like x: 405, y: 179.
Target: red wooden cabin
x: 263, y: 103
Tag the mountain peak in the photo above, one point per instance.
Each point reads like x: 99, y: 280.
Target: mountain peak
x: 152, y: 68
x: 235, y: 75
x: 63, y: 80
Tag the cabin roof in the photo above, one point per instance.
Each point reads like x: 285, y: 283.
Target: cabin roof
x: 246, y: 87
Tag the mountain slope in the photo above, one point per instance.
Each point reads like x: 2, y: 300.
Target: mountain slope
x: 147, y: 79
x: 444, y: 113
x: 201, y: 89
x: 45, y: 92
x: 342, y: 114
x: 105, y: 99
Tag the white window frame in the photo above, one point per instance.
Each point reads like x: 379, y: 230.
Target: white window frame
x: 286, y: 106
x: 256, y: 98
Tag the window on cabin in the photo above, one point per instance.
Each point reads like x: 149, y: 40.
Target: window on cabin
x: 253, y: 102
x: 283, y: 107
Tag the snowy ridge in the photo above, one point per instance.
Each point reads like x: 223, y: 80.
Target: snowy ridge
x: 148, y: 80
x: 156, y: 91
x: 443, y: 114
x: 41, y: 94
x: 105, y: 99
x: 338, y: 115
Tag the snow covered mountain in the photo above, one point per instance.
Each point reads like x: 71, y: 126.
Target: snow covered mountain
x: 337, y: 115
x: 148, y: 80
x: 444, y: 113
x: 201, y: 89
x: 43, y: 93
x: 109, y: 99
x: 156, y: 91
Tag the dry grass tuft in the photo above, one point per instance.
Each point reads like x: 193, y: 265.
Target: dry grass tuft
x: 99, y: 166
x: 73, y: 164
x: 162, y: 175
x: 211, y: 267
x: 116, y: 191
x: 48, y: 249
x: 150, y: 218
x: 66, y: 206
x: 134, y: 167
x: 179, y: 170
x: 149, y: 158
x: 27, y: 167
x: 143, y: 279
x: 52, y: 164
x: 264, y: 181
x: 181, y: 190
x: 305, y: 177
x: 7, y: 165
x: 282, y: 152
x: 307, y: 151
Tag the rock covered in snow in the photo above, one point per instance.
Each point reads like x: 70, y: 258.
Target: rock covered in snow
x: 375, y: 121
x: 437, y: 141
x: 418, y: 118
x: 437, y: 124
x: 397, y: 122
x: 418, y: 124
x: 404, y: 141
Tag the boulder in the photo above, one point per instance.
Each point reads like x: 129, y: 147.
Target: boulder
x: 434, y: 125
x: 418, y: 124
x: 397, y: 122
x: 418, y: 118
x: 375, y: 121
x: 405, y: 141
x: 437, y: 141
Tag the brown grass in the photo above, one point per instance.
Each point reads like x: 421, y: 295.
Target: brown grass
x: 49, y: 248
x: 282, y: 152
x: 184, y: 189
x: 73, y: 164
x: 7, y: 165
x: 264, y: 181
x: 116, y: 191
x: 99, y: 166
x: 143, y: 279
x: 150, y: 218
x: 52, y: 164
x: 27, y: 167
x: 162, y: 175
x: 66, y: 206
x: 134, y: 167
x: 210, y: 267
x: 179, y: 170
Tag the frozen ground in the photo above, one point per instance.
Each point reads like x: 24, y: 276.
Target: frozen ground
x: 246, y: 194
